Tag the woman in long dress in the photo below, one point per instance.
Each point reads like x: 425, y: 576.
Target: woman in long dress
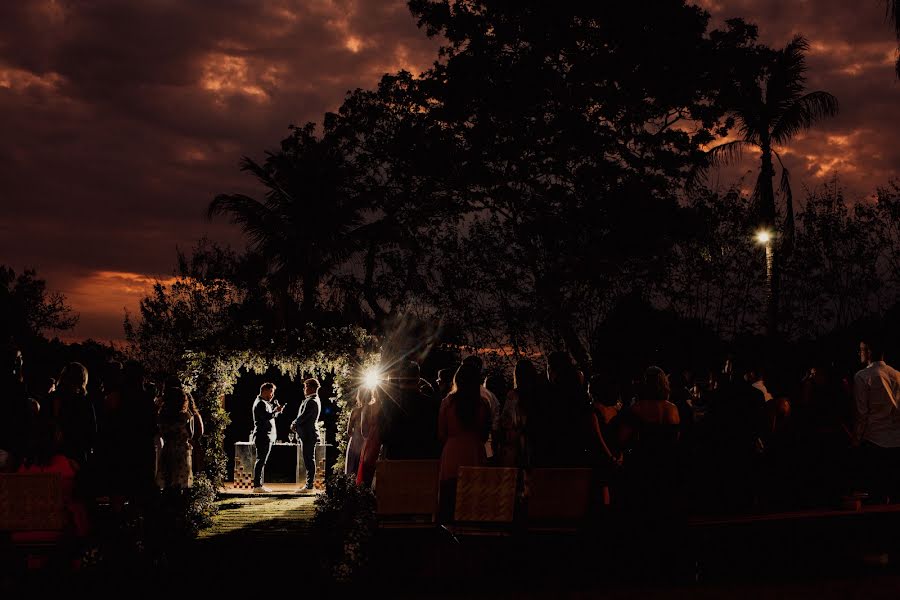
x: 464, y: 423
x: 355, y: 438
x: 176, y: 428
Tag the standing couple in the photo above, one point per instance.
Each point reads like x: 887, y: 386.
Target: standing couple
x: 265, y: 409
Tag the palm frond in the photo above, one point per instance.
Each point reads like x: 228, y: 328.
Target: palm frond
x: 786, y: 77
x: 717, y: 156
x: 802, y: 114
x: 787, y: 242
x: 266, y: 178
x: 254, y: 218
x: 727, y: 153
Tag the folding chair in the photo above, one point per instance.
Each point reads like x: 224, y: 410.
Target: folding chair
x: 406, y: 492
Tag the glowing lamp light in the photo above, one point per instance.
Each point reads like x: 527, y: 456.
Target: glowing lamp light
x: 371, y: 378
x: 763, y: 236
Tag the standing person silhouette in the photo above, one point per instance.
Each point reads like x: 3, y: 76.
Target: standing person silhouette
x: 305, y: 426
x: 264, y: 434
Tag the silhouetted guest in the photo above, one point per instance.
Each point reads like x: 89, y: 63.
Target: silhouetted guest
x: 355, y: 439
x: 176, y: 427
x: 370, y: 428
x: 73, y: 414
x: 408, y: 417
x: 495, y: 383
x: 648, y: 433
x: 111, y: 466
x: 560, y: 424
x: 43, y: 456
x: 426, y: 388
x: 604, y: 401
x: 685, y: 392
x: 463, y: 427
x: 493, y: 402
x: 138, y: 424
x: 754, y: 376
x: 514, y: 450
x: 15, y: 408
x: 444, y: 382
x: 876, y: 390
x: 736, y: 421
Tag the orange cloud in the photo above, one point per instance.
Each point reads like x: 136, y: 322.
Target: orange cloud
x: 101, y: 294
x: 21, y: 80
x: 225, y: 75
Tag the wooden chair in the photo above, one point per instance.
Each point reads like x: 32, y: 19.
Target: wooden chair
x: 558, y: 499
x: 33, y: 516
x: 31, y: 502
x: 485, y: 501
x: 406, y: 492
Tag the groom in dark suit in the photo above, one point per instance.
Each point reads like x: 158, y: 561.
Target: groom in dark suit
x: 265, y: 409
x: 305, y: 426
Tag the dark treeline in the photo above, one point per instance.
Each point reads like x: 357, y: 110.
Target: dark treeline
x: 548, y: 167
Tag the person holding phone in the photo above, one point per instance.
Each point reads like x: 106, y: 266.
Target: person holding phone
x: 264, y: 434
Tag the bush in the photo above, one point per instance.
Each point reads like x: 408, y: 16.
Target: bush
x: 344, y: 527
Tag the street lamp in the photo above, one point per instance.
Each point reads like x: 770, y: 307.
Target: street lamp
x: 763, y: 236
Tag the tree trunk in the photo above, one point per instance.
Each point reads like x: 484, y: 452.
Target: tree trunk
x: 773, y: 290
x: 766, y: 199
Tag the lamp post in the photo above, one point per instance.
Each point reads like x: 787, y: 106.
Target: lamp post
x: 764, y: 237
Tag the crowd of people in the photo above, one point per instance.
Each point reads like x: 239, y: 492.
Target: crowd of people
x: 127, y: 442
x: 725, y: 440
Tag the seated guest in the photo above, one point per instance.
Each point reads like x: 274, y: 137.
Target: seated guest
x: 42, y: 456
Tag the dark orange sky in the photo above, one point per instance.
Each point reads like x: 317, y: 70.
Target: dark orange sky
x: 121, y: 119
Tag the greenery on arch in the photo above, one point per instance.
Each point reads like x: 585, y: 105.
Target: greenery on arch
x: 192, y: 329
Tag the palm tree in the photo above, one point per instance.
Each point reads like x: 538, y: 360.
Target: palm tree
x: 302, y: 226
x: 769, y: 111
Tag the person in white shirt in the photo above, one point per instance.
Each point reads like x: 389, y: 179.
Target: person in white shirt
x: 876, y: 393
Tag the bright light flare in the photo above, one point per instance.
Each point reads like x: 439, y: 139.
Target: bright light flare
x: 372, y: 378
x: 763, y: 236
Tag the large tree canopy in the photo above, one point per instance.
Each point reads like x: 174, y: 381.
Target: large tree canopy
x: 27, y: 309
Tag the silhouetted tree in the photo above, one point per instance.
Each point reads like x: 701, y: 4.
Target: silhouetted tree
x: 770, y: 110
x: 836, y: 269
x: 707, y: 278
x: 400, y: 159
x: 301, y: 227
x: 576, y: 125
x: 887, y: 206
x: 27, y: 309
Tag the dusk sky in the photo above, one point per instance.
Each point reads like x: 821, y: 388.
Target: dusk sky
x: 121, y: 119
